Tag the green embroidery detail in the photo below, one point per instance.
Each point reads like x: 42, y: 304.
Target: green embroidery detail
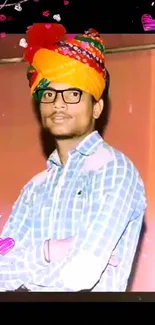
x: 92, y: 42
x: 44, y: 83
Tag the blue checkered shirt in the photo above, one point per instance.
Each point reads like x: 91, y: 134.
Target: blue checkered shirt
x: 98, y: 198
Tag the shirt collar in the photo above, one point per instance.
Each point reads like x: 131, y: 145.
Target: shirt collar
x: 89, y: 143
x: 86, y: 147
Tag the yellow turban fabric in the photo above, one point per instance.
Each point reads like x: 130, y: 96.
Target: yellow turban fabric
x: 77, y: 62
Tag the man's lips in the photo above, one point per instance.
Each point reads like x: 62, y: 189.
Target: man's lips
x: 58, y: 118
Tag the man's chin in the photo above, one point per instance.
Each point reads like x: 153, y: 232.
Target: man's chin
x: 63, y: 136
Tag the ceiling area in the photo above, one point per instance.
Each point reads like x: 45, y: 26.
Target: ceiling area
x: 9, y: 45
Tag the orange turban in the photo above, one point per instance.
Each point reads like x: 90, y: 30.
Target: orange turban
x: 55, y: 58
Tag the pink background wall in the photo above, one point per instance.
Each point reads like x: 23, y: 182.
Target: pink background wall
x: 131, y: 130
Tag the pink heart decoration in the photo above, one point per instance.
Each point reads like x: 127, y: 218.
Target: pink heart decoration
x: 46, y: 13
x: 65, y: 51
x: 148, y: 22
x: 66, y: 2
x: 2, y: 18
x: 70, y: 36
x: 48, y: 26
x: 85, y: 44
x: 6, y: 245
x: 3, y: 35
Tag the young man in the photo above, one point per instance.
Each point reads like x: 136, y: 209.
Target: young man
x: 76, y: 225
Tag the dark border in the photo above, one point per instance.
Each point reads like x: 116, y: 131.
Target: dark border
x: 77, y: 297
x: 79, y: 15
x: 87, y: 308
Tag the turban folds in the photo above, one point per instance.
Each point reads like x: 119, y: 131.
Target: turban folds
x: 53, y: 57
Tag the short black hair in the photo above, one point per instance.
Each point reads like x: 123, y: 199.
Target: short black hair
x: 107, y: 85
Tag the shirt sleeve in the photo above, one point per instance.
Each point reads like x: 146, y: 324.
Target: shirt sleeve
x: 119, y: 209
x: 16, y: 267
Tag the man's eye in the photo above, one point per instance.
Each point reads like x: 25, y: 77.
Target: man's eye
x: 48, y: 94
x: 75, y: 93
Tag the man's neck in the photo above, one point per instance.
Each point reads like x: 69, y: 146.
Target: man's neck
x: 66, y: 145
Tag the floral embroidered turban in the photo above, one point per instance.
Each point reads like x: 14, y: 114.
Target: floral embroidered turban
x: 53, y: 57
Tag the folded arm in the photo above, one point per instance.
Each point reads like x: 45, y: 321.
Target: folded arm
x: 121, y: 206
x: 17, y: 265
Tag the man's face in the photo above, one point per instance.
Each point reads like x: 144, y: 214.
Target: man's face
x: 71, y: 114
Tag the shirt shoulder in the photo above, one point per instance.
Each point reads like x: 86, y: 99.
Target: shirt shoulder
x: 123, y: 165
x: 39, y: 178
x: 111, y: 166
x: 106, y: 156
x: 35, y: 182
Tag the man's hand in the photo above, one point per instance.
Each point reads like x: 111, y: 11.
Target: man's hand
x: 57, y: 249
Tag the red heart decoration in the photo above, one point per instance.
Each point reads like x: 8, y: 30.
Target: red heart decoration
x: 2, y: 18
x: 6, y: 245
x: 46, y: 13
x: 10, y: 18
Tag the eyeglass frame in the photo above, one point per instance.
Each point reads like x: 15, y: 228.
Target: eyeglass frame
x: 59, y: 92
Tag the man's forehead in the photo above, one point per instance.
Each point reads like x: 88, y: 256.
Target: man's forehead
x: 59, y: 86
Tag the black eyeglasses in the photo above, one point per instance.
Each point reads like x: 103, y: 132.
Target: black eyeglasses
x: 49, y: 95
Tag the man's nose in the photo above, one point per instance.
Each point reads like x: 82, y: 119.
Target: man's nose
x: 59, y: 102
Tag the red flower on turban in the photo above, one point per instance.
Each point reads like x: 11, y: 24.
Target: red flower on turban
x: 41, y: 35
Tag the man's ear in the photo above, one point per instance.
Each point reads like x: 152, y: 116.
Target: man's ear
x: 98, y: 108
